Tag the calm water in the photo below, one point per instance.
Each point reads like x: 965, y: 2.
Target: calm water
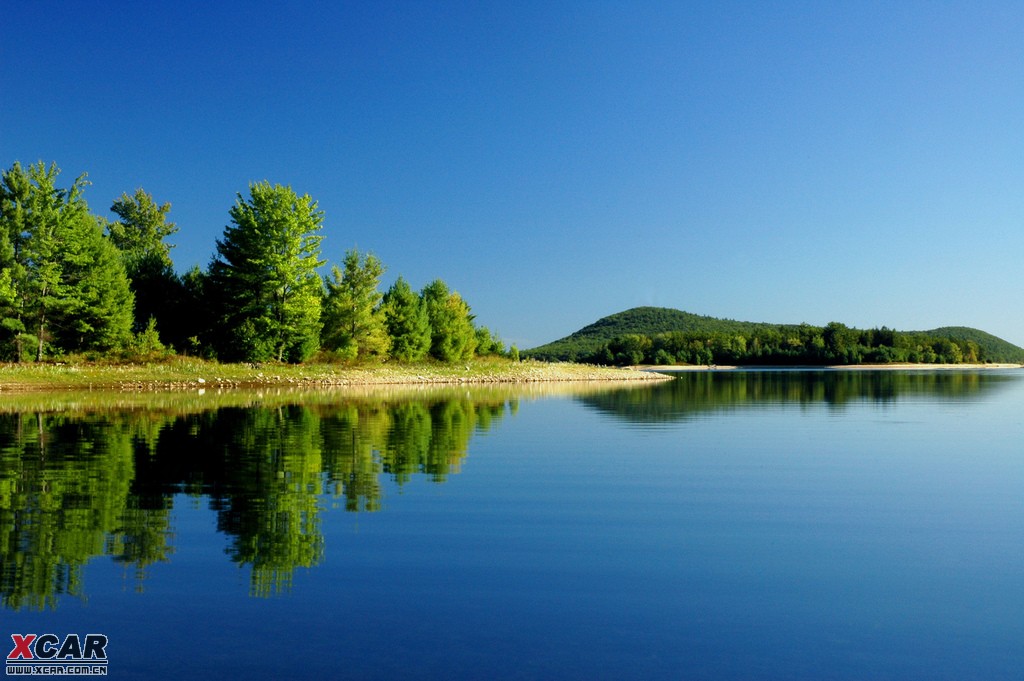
x: 748, y: 525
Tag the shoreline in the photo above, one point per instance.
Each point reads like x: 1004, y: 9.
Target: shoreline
x: 904, y: 366
x: 190, y: 374
x: 202, y: 375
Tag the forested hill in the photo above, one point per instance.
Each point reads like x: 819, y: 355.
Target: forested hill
x: 993, y: 345
x: 648, y: 321
x: 666, y: 336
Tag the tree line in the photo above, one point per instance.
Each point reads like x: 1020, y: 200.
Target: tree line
x: 76, y: 283
x: 805, y: 344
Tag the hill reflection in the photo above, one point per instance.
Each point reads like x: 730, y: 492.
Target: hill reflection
x: 98, y: 474
x: 698, y: 393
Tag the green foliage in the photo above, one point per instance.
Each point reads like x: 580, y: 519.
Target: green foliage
x: 452, y: 336
x: 66, y: 284
x: 642, y: 338
x: 405, y: 317
x: 265, y: 279
x: 12, y: 328
x: 142, y: 228
x: 988, y: 347
x: 648, y: 321
x: 66, y: 287
x: 488, y: 343
x: 99, y: 314
x: 631, y: 348
x: 354, y: 322
x: 71, y: 282
x: 146, y: 345
x: 139, y: 235
x: 193, y: 332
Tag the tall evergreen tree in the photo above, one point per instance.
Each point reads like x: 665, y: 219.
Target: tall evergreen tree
x: 14, y: 191
x: 353, y: 320
x: 67, y: 283
x: 407, y: 323
x: 142, y: 228
x: 452, y: 336
x: 140, y: 235
x: 265, y: 276
x: 98, y: 312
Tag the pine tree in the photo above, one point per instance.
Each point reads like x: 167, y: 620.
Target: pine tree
x: 407, y: 323
x: 142, y: 228
x: 264, y: 275
x: 451, y: 324
x: 66, y: 282
x: 98, y: 312
x: 47, y: 214
x: 488, y: 343
x: 14, y: 190
x: 140, y: 235
x: 353, y: 319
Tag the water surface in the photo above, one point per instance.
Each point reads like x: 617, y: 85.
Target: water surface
x: 722, y: 525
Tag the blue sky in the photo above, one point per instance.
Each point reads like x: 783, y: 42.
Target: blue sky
x: 556, y: 162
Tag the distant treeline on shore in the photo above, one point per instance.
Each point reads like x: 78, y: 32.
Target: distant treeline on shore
x: 664, y: 336
x: 833, y: 344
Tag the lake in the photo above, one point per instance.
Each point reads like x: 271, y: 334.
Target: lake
x: 721, y: 525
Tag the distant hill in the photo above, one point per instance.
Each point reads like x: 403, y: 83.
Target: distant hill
x: 588, y: 343
x: 996, y: 349
x: 648, y: 321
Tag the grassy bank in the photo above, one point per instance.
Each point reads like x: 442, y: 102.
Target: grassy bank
x: 189, y: 373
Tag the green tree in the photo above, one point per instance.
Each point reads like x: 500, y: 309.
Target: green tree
x: 948, y: 352
x: 265, y: 276
x: 140, y: 235
x: 66, y: 282
x: 354, y: 323
x: 631, y: 348
x: 12, y: 329
x: 839, y: 342
x: 488, y: 343
x: 98, y: 307
x: 407, y: 323
x: 142, y: 228
x: 14, y: 190
x: 972, y: 352
x: 452, y: 336
x: 48, y: 212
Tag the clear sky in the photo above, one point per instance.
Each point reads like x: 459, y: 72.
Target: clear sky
x: 555, y: 161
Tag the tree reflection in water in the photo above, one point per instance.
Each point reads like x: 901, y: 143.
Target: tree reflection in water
x: 98, y: 474
x: 79, y: 481
x: 698, y: 393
